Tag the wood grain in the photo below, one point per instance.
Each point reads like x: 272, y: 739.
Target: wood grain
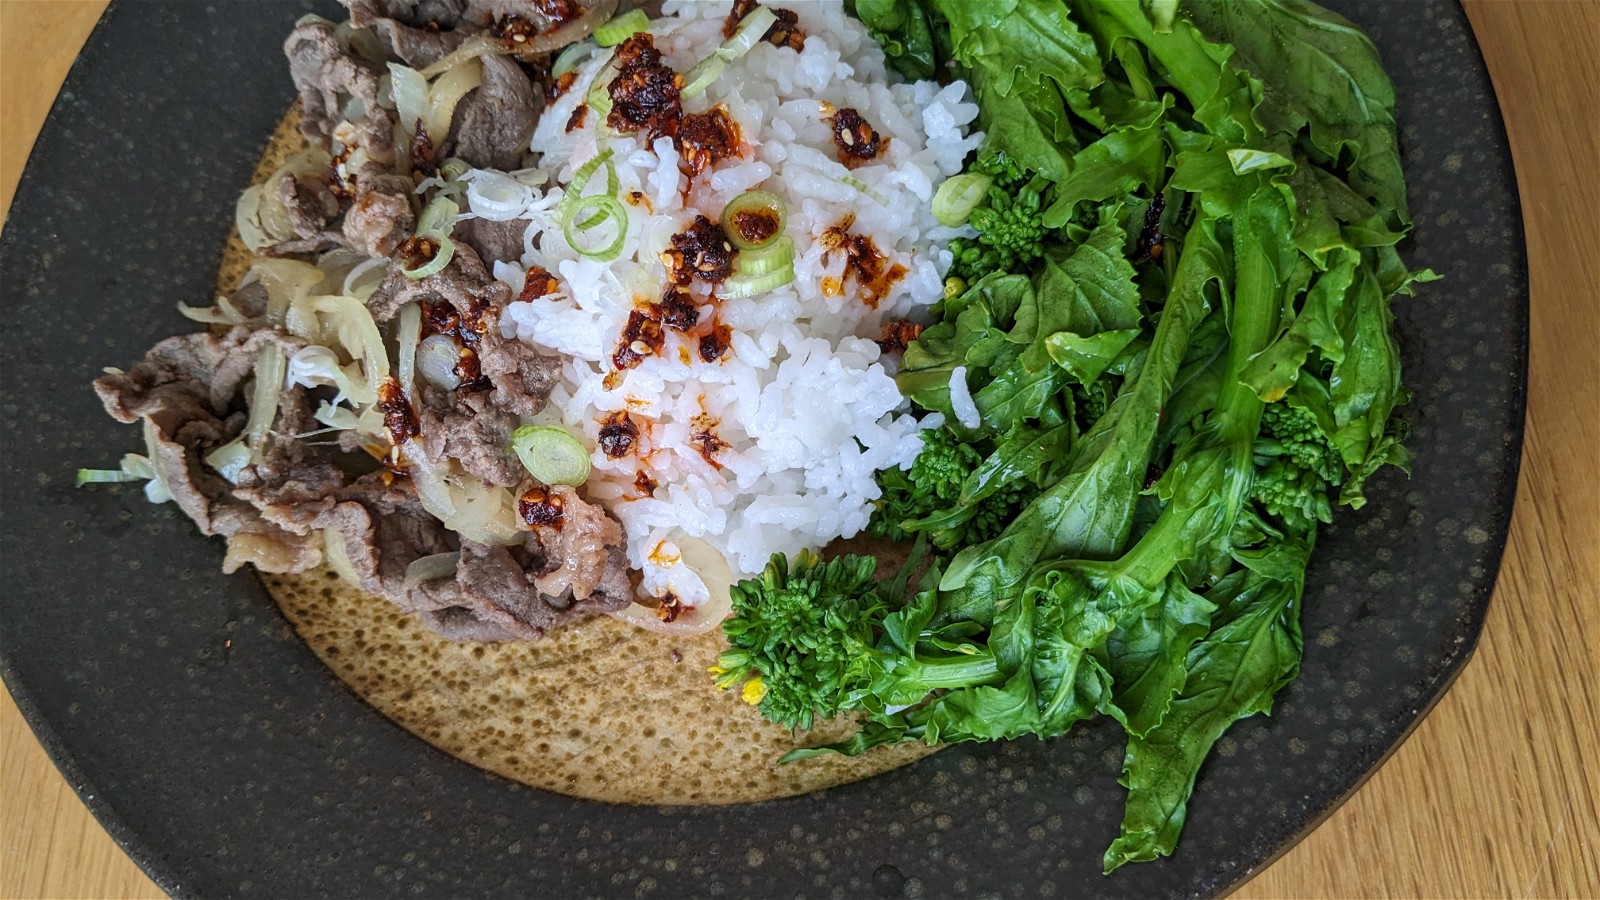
x: 1496, y: 793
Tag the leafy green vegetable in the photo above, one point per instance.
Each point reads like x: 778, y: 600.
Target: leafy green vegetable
x: 1173, y: 310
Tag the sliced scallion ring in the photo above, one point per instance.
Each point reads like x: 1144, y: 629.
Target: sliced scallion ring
x: 744, y: 285
x: 702, y: 75
x: 760, y: 203
x: 766, y: 260
x: 569, y: 58
x: 551, y: 454
x: 751, y: 30
x: 958, y: 197
x: 104, y: 476
x: 447, y: 250
x: 612, y: 211
x: 622, y: 27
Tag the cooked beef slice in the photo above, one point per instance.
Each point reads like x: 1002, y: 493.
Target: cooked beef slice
x: 189, y: 390
x: 325, y: 74
x: 522, y: 377
x: 472, y: 430
x: 311, y: 207
x: 584, y: 555
x: 381, y: 217
x: 493, y: 241
x: 416, y: 47
x: 493, y: 122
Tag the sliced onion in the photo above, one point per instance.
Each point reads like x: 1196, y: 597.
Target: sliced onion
x: 428, y: 477
x: 287, y: 282
x: 156, y: 489
x: 712, y: 567
x: 496, y: 196
x: 410, y: 96
x: 407, y: 334
x: 436, y: 361
x: 431, y: 568
x: 335, y: 320
x: 445, y: 94
x: 441, y: 258
x: 337, y: 556
x: 247, y: 218
x: 363, y: 280
x: 231, y: 459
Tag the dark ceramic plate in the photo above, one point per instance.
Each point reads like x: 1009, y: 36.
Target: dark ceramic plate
x: 228, y: 761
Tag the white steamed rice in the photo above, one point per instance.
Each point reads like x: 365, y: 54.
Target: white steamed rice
x: 807, y: 407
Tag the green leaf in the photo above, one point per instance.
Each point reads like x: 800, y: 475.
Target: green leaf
x: 1147, y: 654
x: 1232, y: 674
x: 1086, y: 358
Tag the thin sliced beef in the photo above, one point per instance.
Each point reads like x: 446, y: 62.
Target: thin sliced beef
x: 311, y: 208
x: 188, y: 390
x: 416, y: 47
x: 472, y: 430
x: 493, y: 122
x: 381, y: 217
x: 325, y: 75
x: 585, y: 559
x: 522, y: 377
x: 493, y: 241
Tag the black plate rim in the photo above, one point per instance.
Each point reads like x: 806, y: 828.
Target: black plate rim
x: 150, y: 860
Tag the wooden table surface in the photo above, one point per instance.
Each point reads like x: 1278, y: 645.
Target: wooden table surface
x: 1495, y: 795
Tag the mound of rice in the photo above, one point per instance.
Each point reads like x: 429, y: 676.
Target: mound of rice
x: 804, y: 401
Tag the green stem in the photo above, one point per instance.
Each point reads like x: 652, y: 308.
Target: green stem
x: 958, y: 671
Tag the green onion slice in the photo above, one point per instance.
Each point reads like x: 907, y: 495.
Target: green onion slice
x: 570, y: 57
x: 104, y: 476
x: 447, y: 250
x: 861, y: 186
x: 622, y: 27
x: 551, y: 454
x: 745, y: 285
x: 751, y: 202
x: 766, y: 260
x: 958, y: 197
x: 607, y: 209
x: 751, y: 30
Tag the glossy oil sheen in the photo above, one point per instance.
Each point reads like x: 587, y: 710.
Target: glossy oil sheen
x: 229, y: 761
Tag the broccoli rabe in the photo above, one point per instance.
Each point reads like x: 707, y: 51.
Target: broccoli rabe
x: 933, y: 486
x: 1295, y: 466
x: 796, y: 632
x: 1011, y: 232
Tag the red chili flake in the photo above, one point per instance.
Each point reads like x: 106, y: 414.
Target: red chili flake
x: 856, y: 140
x: 641, y: 337
x: 541, y: 509
x: 677, y: 309
x: 637, y: 198
x: 439, y: 317
x: 756, y: 225
x: 863, y: 260
x: 713, y: 345
x: 701, y: 251
x: 424, y: 156
x: 618, y: 434
x: 514, y: 30
x: 669, y: 607
x: 703, y: 438
x: 538, y: 282
x: 575, y: 121
x: 417, y: 251
x: 398, y: 417
x: 645, y: 95
x: 897, y: 335
x: 470, y: 370
x: 707, y: 138
x: 475, y: 320
x: 644, y: 484
x: 559, y: 85
x: 342, y: 187
x: 783, y: 33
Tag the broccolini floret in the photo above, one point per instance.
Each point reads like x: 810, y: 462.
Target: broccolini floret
x: 1010, y: 223
x: 796, y: 633
x: 933, y: 486
x: 1296, y: 466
